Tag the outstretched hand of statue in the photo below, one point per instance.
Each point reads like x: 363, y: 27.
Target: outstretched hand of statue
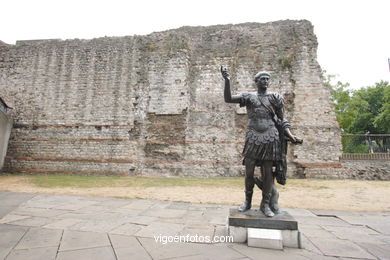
x: 294, y: 139
x: 297, y: 140
x: 225, y: 73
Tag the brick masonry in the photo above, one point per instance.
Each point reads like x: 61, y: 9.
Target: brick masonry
x: 153, y: 105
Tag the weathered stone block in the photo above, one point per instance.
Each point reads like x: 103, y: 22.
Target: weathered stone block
x: 239, y: 234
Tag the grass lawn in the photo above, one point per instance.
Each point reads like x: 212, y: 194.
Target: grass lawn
x: 357, y: 195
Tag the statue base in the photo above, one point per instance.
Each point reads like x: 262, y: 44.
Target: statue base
x: 254, y: 227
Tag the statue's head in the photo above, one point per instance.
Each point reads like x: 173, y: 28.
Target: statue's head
x: 262, y: 79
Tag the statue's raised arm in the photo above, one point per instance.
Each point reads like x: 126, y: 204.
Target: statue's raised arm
x: 227, y: 93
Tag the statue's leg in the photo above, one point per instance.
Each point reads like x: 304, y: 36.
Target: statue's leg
x: 259, y: 180
x: 249, y: 184
x: 274, y: 192
x: 274, y: 200
x: 268, y: 181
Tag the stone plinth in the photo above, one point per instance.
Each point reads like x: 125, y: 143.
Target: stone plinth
x: 256, y: 219
x: 240, y: 223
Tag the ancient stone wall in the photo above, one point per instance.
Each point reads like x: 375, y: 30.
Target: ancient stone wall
x: 353, y: 169
x: 153, y: 105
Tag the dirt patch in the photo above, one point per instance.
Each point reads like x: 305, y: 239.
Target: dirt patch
x: 308, y: 194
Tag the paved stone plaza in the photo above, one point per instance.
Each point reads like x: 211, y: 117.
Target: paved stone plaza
x: 40, y: 226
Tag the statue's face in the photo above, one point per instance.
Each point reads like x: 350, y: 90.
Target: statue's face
x: 262, y: 82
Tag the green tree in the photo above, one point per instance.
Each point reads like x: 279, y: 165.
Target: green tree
x: 362, y: 110
x: 382, y: 120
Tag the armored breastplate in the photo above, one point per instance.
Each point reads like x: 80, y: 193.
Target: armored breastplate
x: 261, y: 127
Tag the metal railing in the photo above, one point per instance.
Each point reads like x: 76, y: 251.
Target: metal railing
x: 366, y: 143
x: 366, y: 146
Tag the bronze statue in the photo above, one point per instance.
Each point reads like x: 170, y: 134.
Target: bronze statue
x: 265, y: 142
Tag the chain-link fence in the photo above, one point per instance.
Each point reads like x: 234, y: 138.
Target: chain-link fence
x: 366, y: 143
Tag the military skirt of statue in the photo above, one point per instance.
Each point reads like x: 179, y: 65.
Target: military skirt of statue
x: 262, y: 141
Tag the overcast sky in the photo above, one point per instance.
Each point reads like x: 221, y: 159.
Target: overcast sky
x: 353, y: 36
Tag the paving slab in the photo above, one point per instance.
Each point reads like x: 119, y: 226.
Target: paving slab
x: 4, y: 210
x: 299, y: 212
x: 203, y: 231
x: 97, y: 253
x: 365, y: 219
x: 356, y: 229
x: 340, y: 248
x: 14, y: 198
x: 385, y: 239
x: 315, y: 231
x: 175, y: 220
x: 31, y: 222
x: 11, y: 200
x: 74, y: 240
x: 128, y: 229
x: 191, y: 257
x: 140, y: 204
x: 115, y: 203
x: 11, y: 217
x: 88, y: 215
x: 128, y: 212
x: 179, y: 205
x: 334, y: 213
x: 46, y: 253
x: 170, y: 250
x: 9, y: 237
x: 40, y: 237
x: 380, y: 223
x: 355, y: 233
x: 95, y: 209
x: 38, y: 212
x: 216, y: 216
x: 62, y: 223
x: 383, y: 228
x: 326, y: 220
x: 219, y: 251
x: 79, y: 215
x: 195, y: 215
x: 102, y: 226
x: 75, y: 205
x: 380, y: 251
x: 140, y: 220
x: 261, y: 253
x: 161, y: 205
x: 164, y: 213
x: 218, y: 220
x: 45, y: 201
x: 220, y: 212
x: 120, y: 241
x: 125, y: 229
x: 160, y: 228
x: 310, y: 255
x: 128, y: 247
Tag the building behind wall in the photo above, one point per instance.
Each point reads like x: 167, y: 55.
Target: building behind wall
x: 5, y: 130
